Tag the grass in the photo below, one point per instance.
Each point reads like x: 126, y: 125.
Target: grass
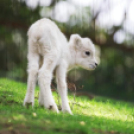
x: 96, y: 116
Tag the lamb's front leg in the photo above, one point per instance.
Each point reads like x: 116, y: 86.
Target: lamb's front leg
x: 62, y: 87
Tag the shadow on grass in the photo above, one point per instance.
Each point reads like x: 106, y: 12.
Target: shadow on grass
x: 64, y: 124
x: 7, y: 98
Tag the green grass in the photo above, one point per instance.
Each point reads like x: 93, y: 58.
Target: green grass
x: 97, y: 116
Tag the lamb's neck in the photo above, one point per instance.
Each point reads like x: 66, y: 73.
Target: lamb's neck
x: 72, y: 58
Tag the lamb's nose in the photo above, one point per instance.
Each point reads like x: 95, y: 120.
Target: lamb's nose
x: 96, y: 64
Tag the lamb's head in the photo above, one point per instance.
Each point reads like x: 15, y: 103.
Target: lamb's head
x: 84, y: 52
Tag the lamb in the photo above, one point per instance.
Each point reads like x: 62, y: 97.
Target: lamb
x: 49, y: 52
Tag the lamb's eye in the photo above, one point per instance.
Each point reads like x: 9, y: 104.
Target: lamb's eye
x: 87, y: 53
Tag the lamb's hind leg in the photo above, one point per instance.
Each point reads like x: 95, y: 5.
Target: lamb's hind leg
x: 44, y: 80
x: 62, y: 87
x: 33, y: 65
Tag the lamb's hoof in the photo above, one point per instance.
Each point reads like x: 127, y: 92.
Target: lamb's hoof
x: 49, y: 106
x: 67, y: 111
x: 41, y: 104
x: 53, y: 108
x: 59, y: 107
x: 28, y: 104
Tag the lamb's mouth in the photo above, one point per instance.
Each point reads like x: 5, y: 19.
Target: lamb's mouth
x: 92, y: 67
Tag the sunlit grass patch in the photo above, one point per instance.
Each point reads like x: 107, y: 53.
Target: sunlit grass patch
x: 97, y: 116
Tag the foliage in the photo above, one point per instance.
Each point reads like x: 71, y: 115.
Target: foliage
x: 113, y: 78
x: 13, y: 27
x: 98, y: 116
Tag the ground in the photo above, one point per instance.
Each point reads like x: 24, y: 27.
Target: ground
x: 97, y: 116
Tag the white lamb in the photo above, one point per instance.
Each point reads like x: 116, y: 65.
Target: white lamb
x: 48, y: 52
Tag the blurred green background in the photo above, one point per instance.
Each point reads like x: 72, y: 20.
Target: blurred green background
x: 109, y: 23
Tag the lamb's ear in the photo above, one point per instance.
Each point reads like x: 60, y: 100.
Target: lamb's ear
x: 76, y: 40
